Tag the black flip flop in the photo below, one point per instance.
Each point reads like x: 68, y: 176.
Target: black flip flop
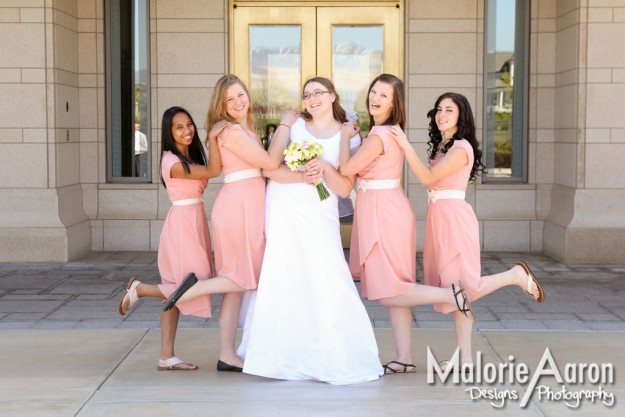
x: 465, y: 308
x: 409, y: 368
x: 189, y: 281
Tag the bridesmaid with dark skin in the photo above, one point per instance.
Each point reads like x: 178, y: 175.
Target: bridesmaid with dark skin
x: 184, y: 242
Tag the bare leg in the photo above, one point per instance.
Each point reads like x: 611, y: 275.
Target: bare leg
x: 228, y: 321
x: 215, y: 285
x: 169, y: 325
x: 142, y: 290
x: 464, y: 329
x: 149, y: 290
x: 421, y: 295
x: 513, y: 276
x: 401, y: 321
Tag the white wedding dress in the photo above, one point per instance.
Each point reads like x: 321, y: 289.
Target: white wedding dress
x: 306, y: 320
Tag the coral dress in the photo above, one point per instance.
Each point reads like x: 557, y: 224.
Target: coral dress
x: 185, y: 243
x: 384, y: 235
x: 451, y: 246
x: 238, y: 220
x: 307, y: 321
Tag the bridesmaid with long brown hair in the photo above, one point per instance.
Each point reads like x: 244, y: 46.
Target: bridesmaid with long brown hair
x: 384, y: 235
x: 451, y: 247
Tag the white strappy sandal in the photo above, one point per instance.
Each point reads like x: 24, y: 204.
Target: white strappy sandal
x: 174, y: 364
x: 131, y: 293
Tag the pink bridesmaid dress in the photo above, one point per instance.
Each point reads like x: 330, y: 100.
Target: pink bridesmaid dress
x: 451, y: 246
x: 384, y: 234
x: 185, y: 243
x: 238, y: 218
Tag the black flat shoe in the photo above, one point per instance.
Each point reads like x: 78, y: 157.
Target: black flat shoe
x: 189, y: 281
x: 223, y: 366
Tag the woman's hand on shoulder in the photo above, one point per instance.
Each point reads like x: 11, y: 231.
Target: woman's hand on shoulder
x: 349, y: 130
x: 400, y: 136
x: 289, y: 118
x: 217, y: 129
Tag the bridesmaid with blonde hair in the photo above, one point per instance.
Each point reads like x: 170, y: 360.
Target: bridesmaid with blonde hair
x: 238, y: 214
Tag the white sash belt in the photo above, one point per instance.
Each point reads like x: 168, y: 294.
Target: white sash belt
x: 187, y: 201
x: 365, y: 185
x: 434, y: 195
x: 242, y: 175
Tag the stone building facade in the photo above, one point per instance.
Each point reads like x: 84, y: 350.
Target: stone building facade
x: 57, y: 202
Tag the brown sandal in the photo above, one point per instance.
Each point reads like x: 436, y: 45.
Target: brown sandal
x: 131, y: 293
x: 531, y: 278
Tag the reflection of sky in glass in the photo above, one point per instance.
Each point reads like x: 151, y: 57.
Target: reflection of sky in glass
x: 369, y: 37
x: 357, y: 58
x: 504, y: 25
x: 140, y: 61
x: 274, y: 36
x: 141, y: 35
x: 275, y: 68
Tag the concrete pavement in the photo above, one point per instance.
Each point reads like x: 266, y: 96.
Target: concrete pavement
x: 67, y: 352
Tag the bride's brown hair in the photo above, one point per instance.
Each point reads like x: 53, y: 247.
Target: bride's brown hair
x: 337, y: 110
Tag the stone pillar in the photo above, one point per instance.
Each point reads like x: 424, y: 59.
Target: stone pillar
x: 41, y: 213
x: 587, y: 218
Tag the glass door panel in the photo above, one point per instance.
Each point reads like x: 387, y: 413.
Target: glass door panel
x: 355, y: 45
x: 269, y: 56
x: 275, y: 71
x: 275, y: 49
x: 357, y: 58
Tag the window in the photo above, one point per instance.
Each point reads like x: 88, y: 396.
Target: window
x: 128, y: 91
x: 506, y: 93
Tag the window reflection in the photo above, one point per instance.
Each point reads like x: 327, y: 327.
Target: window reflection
x: 141, y: 86
x: 275, y: 66
x: 357, y: 58
x: 504, y: 63
x: 128, y: 90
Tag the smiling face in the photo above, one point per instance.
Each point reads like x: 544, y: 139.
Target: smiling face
x: 380, y: 102
x: 237, y: 102
x: 446, y: 117
x: 182, y: 130
x: 318, y: 99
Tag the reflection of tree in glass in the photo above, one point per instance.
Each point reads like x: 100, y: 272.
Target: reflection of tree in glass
x: 502, y: 143
x: 266, y: 111
x: 141, y: 106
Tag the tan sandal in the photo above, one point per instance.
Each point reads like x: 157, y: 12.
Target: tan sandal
x: 131, y: 293
x: 466, y: 369
x: 532, y: 279
x: 175, y: 364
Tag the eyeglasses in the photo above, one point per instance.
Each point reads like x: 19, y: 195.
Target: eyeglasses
x: 315, y: 94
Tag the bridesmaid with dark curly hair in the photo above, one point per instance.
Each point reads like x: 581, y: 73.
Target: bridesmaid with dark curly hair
x: 383, y: 248
x: 451, y: 247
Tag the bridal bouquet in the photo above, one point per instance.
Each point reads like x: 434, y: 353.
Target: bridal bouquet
x: 298, y: 153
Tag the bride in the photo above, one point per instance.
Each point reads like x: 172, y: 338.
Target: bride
x: 306, y: 320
